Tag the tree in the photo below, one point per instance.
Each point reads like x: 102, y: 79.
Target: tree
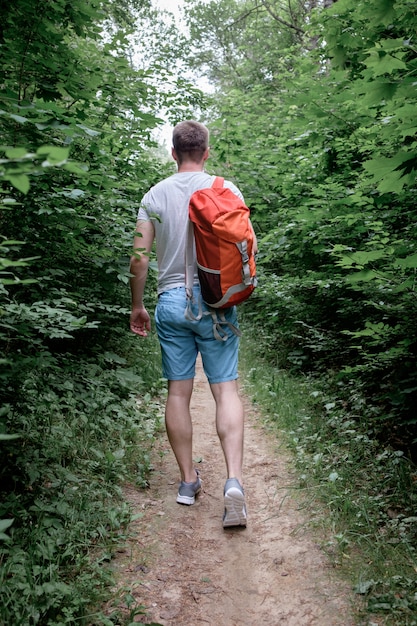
x: 228, y: 39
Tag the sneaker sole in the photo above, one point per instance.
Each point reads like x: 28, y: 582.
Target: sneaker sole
x: 188, y: 500
x: 235, y: 509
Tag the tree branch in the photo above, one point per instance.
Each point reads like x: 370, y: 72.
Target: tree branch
x: 280, y: 20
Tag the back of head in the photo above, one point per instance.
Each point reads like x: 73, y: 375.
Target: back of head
x: 190, y: 140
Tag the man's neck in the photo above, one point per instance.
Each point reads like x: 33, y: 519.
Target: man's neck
x: 190, y: 167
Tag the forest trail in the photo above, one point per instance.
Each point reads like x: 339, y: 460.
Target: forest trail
x: 188, y: 571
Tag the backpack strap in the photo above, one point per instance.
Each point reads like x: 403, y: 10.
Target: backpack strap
x: 219, y: 320
x: 189, y: 276
x: 218, y: 182
x: 242, y: 246
x: 189, y: 265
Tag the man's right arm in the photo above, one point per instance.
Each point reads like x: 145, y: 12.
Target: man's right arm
x: 140, y: 322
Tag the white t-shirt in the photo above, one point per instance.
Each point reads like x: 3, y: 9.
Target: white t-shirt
x: 166, y: 204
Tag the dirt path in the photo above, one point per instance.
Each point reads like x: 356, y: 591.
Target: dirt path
x: 187, y: 571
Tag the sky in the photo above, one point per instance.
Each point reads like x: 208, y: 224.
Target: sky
x: 173, y: 6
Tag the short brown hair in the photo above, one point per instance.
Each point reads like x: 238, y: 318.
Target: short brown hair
x: 190, y: 140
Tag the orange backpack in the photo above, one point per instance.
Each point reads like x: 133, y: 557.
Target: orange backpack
x: 220, y: 227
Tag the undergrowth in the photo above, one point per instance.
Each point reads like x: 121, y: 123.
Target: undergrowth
x: 83, y: 426
x: 363, y: 495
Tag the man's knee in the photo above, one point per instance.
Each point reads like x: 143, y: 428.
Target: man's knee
x: 226, y: 389
x: 181, y: 388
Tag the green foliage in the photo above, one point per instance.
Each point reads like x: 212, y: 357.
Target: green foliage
x: 228, y: 39
x: 82, y: 428
x: 363, y: 495
x: 325, y: 152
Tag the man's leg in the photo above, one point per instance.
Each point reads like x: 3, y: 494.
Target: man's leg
x: 229, y: 424
x: 179, y: 426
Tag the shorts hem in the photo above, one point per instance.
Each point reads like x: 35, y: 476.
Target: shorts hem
x: 179, y: 377
x: 226, y: 379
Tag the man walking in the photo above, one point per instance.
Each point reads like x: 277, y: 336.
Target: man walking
x: 163, y: 216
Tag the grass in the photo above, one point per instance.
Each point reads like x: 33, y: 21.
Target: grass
x: 85, y: 426
x: 361, y: 496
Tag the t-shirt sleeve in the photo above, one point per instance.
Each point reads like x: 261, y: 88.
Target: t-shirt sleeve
x: 144, y: 211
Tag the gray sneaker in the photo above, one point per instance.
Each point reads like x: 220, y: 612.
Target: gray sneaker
x: 188, y: 491
x: 234, y: 504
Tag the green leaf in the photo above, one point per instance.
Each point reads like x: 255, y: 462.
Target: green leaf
x: 362, y: 257
x: 396, y: 181
x: 89, y: 131
x: 364, y: 276
x: 380, y: 167
x: 75, y: 168
x: 5, y: 524
x: 19, y: 181
x: 16, y: 153
x: 377, y: 91
x: 407, y: 262
x: 18, y: 118
x: 384, y: 64
x: 392, y: 44
x: 380, y: 12
x: 55, y: 154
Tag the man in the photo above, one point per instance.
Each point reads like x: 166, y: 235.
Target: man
x: 163, y: 215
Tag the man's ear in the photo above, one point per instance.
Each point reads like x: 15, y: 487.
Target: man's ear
x: 174, y: 154
x: 206, y: 154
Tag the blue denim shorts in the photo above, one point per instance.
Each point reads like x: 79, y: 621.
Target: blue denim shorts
x: 181, y: 340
